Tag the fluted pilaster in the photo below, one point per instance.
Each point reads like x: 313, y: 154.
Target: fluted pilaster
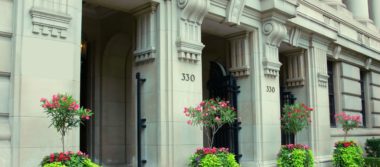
x: 374, y: 8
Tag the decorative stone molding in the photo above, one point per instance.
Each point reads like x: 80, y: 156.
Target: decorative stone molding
x: 146, y: 32
x: 50, y: 18
x: 337, y: 51
x: 189, y: 43
x: 235, y: 11
x: 296, y: 68
x: 274, y: 32
x: 294, y: 36
x: 318, y: 48
x: 368, y: 63
x: 239, y: 56
x: 323, y: 80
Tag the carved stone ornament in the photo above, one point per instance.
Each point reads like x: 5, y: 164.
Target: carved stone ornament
x: 323, y: 80
x: 50, y: 18
x: 295, y: 67
x: 189, y: 43
x: 239, y: 54
x: 274, y: 32
x: 234, y: 11
x: 146, y: 32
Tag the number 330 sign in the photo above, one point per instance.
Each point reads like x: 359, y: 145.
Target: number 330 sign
x: 188, y: 77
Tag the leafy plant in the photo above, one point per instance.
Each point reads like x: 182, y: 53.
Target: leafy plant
x: 211, y: 114
x: 348, y: 122
x: 65, y: 113
x: 347, y: 154
x: 295, y: 155
x: 372, y: 162
x: 68, y: 159
x: 213, y: 157
x: 54, y: 164
x: 372, y: 147
x: 295, y: 117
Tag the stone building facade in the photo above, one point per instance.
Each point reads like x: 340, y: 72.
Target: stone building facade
x: 325, y: 52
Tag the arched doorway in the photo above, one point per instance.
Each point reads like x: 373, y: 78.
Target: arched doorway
x: 222, y: 85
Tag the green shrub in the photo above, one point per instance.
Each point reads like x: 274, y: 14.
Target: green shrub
x: 67, y: 159
x: 295, y: 155
x: 372, y: 162
x: 372, y: 147
x: 348, y: 154
x: 54, y: 164
x: 213, y: 157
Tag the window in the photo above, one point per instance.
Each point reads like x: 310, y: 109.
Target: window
x: 362, y: 95
x: 330, y: 72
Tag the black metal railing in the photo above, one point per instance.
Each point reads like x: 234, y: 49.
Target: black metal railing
x: 286, y: 98
x: 223, y: 85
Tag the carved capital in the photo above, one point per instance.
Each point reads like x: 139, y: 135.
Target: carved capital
x: 193, y: 10
x: 146, y: 32
x: 239, y: 54
x: 275, y: 32
x: 189, y: 44
x: 50, y: 21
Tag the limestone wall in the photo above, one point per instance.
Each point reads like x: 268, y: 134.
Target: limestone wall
x: 6, y: 66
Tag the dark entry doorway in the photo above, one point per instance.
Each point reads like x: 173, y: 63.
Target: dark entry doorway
x: 223, y: 85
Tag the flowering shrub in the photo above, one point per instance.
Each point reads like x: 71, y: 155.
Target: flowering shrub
x: 295, y: 155
x: 212, y: 114
x: 67, y: 159
x: 347, y: 153
x: 372, y: 147
x: 348, y: 122
x: 295, y: 117
x: 65, y: 113
x: 213, y: 157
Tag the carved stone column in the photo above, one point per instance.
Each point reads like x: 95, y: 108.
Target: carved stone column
x: 375, y: 11
x: 359, y: 9
x: 239, y: 54
x: 146, y: 32
x: 189, y: 43
x: 318, y: 98
x: 274, y: 32
x: 295, y: 66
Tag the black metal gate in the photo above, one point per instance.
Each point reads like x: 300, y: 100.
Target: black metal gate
x: 223, y: 85
x: 286, y: 98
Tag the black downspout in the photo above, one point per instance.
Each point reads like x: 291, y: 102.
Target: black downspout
x: 140, y: 121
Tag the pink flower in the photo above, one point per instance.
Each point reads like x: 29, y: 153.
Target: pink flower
x: 189, y: 122
x: 43, y: 99
x: 217, y: 118
x: 202, y: 103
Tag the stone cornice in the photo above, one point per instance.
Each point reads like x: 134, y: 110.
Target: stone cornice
x: 341, y: 19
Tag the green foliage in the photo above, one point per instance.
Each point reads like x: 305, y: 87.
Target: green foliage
x: 211, y: 114
x: 295, y: 117
x: 213, y: 157
x: 54, y: 164
x: 295, y: 156
x: 68, y: 159
x: 372, y: 147
x: 372, y: 162
x: 348, y: 154
x: 211, y: 160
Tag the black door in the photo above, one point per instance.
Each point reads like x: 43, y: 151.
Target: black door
x: 223, y: 85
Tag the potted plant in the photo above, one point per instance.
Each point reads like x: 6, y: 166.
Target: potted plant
x: 65, y: 114
x: 294, y: 118
x: 211, y: 115
x: 213, y: 157
x: 295, y: 155
x: 348, y: 153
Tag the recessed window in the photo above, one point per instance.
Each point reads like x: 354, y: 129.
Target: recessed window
x: 330, y: 72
